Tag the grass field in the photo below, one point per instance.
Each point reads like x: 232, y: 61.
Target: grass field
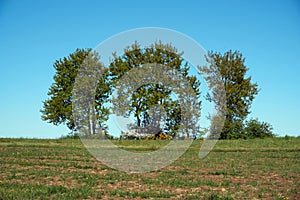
x: 237, y: 169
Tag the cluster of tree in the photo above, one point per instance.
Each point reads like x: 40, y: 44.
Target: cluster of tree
x: 58, y: 108
x: 240, y: 92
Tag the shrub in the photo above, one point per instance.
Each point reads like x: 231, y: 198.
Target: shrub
x: 256, y: 129
x: 71, y: 135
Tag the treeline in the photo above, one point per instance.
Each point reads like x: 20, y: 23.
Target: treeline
x: 94, y: 102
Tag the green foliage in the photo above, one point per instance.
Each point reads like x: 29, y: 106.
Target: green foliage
x: 58, y: 108
x: 240, y: 92
x: 71, y: 135
x: 90, y: 94
x: 257, y: 129
x: 151, y: 94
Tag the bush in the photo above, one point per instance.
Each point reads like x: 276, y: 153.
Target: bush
x: 71, y: 135
x: 232, y: 130
x: 256, y: 129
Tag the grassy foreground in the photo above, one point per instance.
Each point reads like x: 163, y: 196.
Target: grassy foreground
x: 238, y: 169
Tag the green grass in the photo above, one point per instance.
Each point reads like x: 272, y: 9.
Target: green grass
x: 237, y: 169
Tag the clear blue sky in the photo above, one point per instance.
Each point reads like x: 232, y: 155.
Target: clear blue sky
x: 33, y: 34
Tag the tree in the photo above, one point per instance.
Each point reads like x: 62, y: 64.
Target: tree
x: 149, y: 94
x: 58, y: 108
x: 240, y: 92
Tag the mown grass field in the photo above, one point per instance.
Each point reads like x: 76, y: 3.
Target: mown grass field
x: 238, y: 169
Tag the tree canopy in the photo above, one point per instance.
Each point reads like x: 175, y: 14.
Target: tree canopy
x: 58, y: 108
x: 153, y: 104
x: 155, y: 93
x: 240, y: 91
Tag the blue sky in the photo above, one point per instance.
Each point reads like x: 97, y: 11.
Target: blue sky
x: 33, y: 34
